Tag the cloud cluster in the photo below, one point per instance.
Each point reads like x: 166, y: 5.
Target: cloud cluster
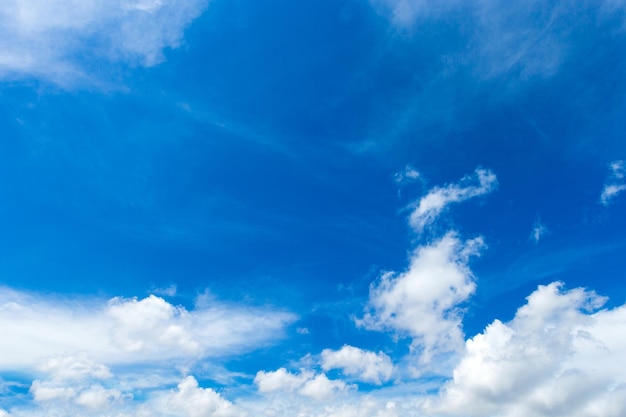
x: 556, y: 357
x: 54, y: 39
x: 615, y: 183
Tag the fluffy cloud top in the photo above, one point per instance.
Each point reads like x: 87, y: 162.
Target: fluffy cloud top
x: 308, y: 384
x: 125, y: 331
x: 555, y: 357
x: 433, y: 203
x: 47, y: 38
x: 364, y: 365
x: 423, y: 301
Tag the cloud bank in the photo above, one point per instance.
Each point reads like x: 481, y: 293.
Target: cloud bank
x: 127, y: 331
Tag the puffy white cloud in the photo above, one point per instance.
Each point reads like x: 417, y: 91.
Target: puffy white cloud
x: 48, y: 38
x: 322, y: 388
x: 42, y: 393
x: 364, y: 365
x: 615, y: 183
x: 422, y: 302
x: 308, y: 384
x: 281, y: 380
x: 189, y: 400
x: 98, y: 398
x: 555, y: 357
x: 433, y: 203
x: 74, y: 367
x: 125, y: 331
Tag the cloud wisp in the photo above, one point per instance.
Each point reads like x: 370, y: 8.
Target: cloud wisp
x: 51, y: 39
x: 437, y: 199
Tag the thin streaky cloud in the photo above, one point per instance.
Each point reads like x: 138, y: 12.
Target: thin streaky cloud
x: 437, y: 199
x: 614, y: 184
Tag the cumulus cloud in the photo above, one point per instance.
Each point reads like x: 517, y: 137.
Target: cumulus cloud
x: 306, y: 383
x: 423, y: 301
x: 558, y: 356
x: 524, y: 39
x: 409, y: 174
x: 615, y: 182
x: 435, y: 201
x: 189, y: 400
x: 366, y: 366
x: 125, y: 331
x: 49, y: 38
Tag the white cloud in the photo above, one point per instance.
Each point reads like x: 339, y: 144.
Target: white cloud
x: 615, y: 183
x: 189, y: 400
x: 98, y: 398
x: 409, y: 174
x: 321, y: 388
x: 74, y: 367
x: 555, y: 357
x: 539, y: 230
x: 364, y: 365
x: 307, y: 383
x: 126, y: 331
x: 48, y: 38
x: 422, y: 302
x: 433, y: 203
x: 281, y: 380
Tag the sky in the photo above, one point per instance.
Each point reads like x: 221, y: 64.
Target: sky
x: 346, y: 208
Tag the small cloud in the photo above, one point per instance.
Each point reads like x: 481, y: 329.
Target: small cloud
x: 364, y: 365
x: 409, y: 174
x: 302, y: 330
x: 615, y: 183
x: 539, y: 230
x: 436, y: 200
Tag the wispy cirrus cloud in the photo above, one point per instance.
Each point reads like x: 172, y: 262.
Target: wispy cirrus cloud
x: 437, y: 199
x: 615, y: 184
x: 63, y: 41
x: 363, y: 365
x: 422, y: 302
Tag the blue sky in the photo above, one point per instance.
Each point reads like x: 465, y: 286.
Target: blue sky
x: 335, y: 208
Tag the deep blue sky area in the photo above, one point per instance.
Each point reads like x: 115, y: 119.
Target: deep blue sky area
x: 272, y: 158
